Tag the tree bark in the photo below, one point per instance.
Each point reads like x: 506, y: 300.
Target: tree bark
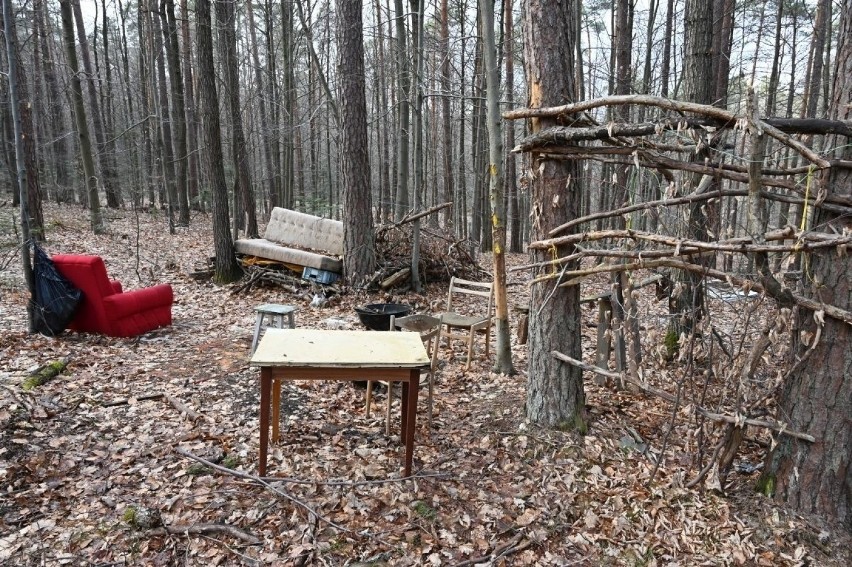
x: 510, y: 170
x: 178, y: 108
x: 226, y: 267
x: 554, y: 391
x: 95, y: 218
x: 817, y: 396
x: 358, y: 239
x: 104, y: 157
x: 503, y: 354
x: 225, y: 17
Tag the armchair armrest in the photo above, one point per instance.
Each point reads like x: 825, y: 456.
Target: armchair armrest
x: 116, y: 286
x: 125, y: 304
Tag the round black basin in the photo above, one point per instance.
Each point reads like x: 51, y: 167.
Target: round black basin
x: 376, y: 316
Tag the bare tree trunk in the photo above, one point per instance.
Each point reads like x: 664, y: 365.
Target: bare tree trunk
x: 461, y: 195
x: 404, y: 88
x: 417, y: 127
x: 265, y: 125
x: 18, y: 101
x: 225, y: 17
x: 511, y: 172
x: 56, y: 113
x: 192, y: 171
x: 178, y: 109
x: 95, y: 218
x: 290, y: 188
x: 817, y: 396
x: 105, y: 158
x: 448, y: 189
x: 503, y: 355
x: 554, y: 391
x: 167, y: 161
x: 226, y: 268
x: 358, y: 241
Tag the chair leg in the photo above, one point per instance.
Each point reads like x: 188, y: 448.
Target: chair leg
x: 469, y: 349
x: 388, y: 413
x: 257, y: 325
x: 369, y: 396
x: 431, y: 381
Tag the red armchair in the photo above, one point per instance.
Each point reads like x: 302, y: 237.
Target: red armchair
x: 105, y: 308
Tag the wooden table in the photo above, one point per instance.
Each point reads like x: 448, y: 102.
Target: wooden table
x: 314, y: 354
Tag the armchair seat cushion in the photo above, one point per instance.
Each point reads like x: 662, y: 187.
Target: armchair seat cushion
x: 105, y: 308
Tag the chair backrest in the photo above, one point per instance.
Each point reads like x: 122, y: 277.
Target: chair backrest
x: 483, y: 290
x: 89, y: 274
x: 429, y: 328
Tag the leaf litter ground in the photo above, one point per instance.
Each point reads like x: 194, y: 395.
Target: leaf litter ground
x: 78, y: 475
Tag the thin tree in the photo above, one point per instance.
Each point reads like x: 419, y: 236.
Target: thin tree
x: 554, y: 391
x: 226, y: 268
x: 17, y: 103
x: 358, y: 240
x: 79, y: 110
x: 105, y: 158
x: 178, y: 110
x: 226, y: 17
x: 446, y: 119
x: 503, y: 358
x: 403, y: 111
x: 417, y: 7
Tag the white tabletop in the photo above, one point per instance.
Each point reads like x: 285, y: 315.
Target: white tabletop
x: 340, y: 349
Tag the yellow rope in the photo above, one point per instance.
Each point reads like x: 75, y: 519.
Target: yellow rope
x: 807, y: 196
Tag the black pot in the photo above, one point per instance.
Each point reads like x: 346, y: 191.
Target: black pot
x: 376, y: 316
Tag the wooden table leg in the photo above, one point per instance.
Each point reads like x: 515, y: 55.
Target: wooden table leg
x: 403, y: 404
x: 276, y: 408
x: 410, y: 417
x: 265, y: 387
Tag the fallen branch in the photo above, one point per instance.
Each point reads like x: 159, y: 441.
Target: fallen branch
x: 718, y: 417
x: 44, y: 374
x: 265, y: 484
x: 125, y: 401
x: 422, y: 214
x: 178, y: 405
x: 206, y: 529
x: 499, y: 552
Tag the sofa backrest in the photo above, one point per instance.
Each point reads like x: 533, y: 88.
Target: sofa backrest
x: 89, y: 274
x: 301, y: 230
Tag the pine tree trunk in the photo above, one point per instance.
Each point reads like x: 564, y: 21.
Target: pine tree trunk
x: 403, y: 120
x: 189, y: 111
x: 510, y: 172
x: 167, y: 160
x: 817, y: 396
x: 358, y: 240
x: 554, y: 390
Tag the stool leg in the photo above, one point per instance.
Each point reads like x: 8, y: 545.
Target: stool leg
x: 257, y: 324
x: 291, y: 319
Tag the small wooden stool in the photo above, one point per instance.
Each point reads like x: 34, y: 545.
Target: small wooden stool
x: 273, y: 311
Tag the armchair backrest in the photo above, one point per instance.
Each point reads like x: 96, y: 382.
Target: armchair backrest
x: 483, y: 290
x: 89, y: 274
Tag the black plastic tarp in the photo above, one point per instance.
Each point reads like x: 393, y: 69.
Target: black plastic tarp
x: 55, y: 299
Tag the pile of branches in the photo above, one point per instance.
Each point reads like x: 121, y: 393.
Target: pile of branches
x: 441, y: 254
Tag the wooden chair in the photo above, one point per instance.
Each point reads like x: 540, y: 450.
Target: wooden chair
x: 429, y: 328
x: 466, y: 318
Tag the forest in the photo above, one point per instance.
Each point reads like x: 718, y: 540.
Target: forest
x: 660, y: 193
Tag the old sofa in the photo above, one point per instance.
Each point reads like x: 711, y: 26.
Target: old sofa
x: 298, y: 239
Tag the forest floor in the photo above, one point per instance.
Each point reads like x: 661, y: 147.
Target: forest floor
x: 79, y: 476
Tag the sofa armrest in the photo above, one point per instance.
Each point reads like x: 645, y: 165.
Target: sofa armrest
x: 123, y: 305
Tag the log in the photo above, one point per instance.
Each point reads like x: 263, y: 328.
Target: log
x: 44, y: 374
x: 395, y: 279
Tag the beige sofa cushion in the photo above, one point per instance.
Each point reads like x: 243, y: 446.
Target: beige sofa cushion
x: 298, y: 238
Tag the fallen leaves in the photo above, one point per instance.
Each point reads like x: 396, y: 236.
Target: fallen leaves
x: 491, y: 487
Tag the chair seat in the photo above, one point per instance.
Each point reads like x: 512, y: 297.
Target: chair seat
x: 458, y: 320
